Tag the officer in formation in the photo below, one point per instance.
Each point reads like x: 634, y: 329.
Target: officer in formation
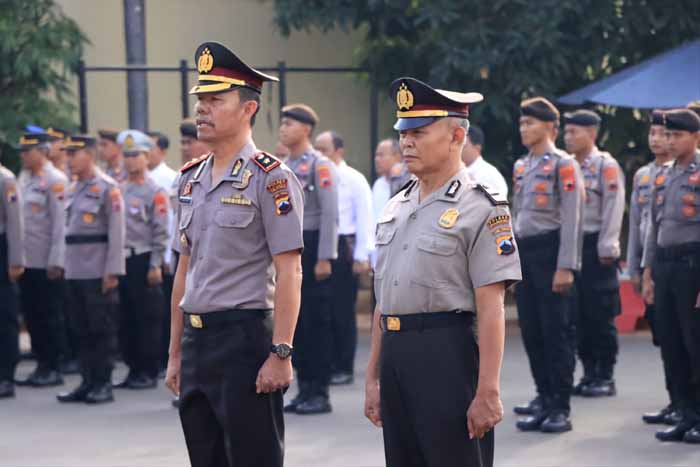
x: 446, y: 255
x: 190, y: 146
x: 11, y: 269
x: 140, y: 291
x: 110, y: 154
x: 240, y: 224
x: 313, y: 339
x: 598, y: 286
x: 671, y: 279
x: 42, y: 288
x: 94, y: 259
x: 639, y: 219
x: 57, y: 155
x: 547, y: 210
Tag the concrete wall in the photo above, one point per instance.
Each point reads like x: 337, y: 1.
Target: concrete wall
x: 175, y: 28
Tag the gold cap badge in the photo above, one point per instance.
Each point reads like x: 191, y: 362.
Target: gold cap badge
x: 129, y: 142
x: 448, y: 218
x: 205, y: 62
x: 404, y: 97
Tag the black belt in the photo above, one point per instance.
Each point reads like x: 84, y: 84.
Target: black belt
x: 675, y: 252
x: 77, y: 239
x: 590, y: 240
x: 420, y: 321
x: 538, y: 241
x: 217, y: 318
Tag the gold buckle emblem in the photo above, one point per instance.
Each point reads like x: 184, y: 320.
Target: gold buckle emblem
x: 205, y: 63
x: 196, y: 321
x: 393, y: 323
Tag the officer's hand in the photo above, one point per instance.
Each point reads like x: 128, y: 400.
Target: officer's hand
x: 606, y: 261
x: 322, y: 271
x: 172, y: 374
x: 109, y: 282
x: 636, y: 281
x: 563, y: 280
x: 648, y: 287
x: 372, y: 408
x: 485, y: 411
x: 360, y: 267
x: 54, y: 273
x: 15, y: 272
x: 155, y: 277
x: 275, y: 374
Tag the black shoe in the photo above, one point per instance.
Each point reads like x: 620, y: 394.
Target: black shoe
x: 692, y: 436
x: 582, y: 385
x: 142, y: 382
x: 531, y: 422
x: 46, y: 378
x: 7, y: 389
x: 175, y: 402
x: 70, y: 367
x: 557, y: 422
x: 673, y: 418
x: 532, y: 407
x: 76, y: 395
x: 600, y: 388
x: 658, y: 417
x: 303, y: 395
x: 314, y: 405
x: 100, y: 394
x: 126, y: 382
x: 676, y: 433
x: 342, y: 378
x: 161, y: 373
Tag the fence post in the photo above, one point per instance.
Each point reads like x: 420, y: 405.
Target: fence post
x: 373, y: 123
x: 184, y: 91
x: 282, y: 74
x: 82, y: 97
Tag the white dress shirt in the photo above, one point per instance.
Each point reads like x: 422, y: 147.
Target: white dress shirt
x: 381, y: 194
x: 355, y: 214
x: 165, y: 177
x: 486, y: 174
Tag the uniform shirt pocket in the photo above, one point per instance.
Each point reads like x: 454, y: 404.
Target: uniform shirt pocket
x: 89, y: 212
x: 185, y: 216
x: 541, y: 195
x: 229, y: 219
x: 437, y: 244
x: 36, y: 202
x: 385, y: 233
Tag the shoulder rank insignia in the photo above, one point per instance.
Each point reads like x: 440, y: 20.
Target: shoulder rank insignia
x: 266, y: 161
x: 408, y: 186
x: 453, y: 189
x: 194, y: 163
x: 495, y: 197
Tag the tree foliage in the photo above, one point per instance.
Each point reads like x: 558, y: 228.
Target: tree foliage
x: 506, y: 49
x: 39, y: 50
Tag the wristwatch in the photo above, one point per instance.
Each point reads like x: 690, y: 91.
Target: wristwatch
x: 282, y: 350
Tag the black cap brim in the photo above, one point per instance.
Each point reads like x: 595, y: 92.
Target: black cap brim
x: 403, y: 124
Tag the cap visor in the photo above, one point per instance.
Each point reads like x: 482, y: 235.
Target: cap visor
x: 216, y: 87
x: 403, y: 124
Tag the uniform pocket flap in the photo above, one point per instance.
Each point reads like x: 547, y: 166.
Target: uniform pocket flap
x: 185, y: 217
x: 437, y: 244
x: 384, y: 234
x: 226, y: 218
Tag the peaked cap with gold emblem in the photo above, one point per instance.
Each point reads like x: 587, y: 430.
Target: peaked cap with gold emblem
x: 30, y: 140
x: 418, y: 104
x: 75, y: 143
x: 221, y: 70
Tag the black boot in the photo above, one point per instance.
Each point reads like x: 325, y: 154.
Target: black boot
x: 318, y: 402
x: 76, y: 395
x: 304, y: 389
x: 557, y: 422
x: 658, y: 417
x: 45, y: 377
x: 673, y: 418
x: 587, y: 378
x: 600, y: 388
x: 692, y: 436
x: 677, y: 433
x: 532, y: 407
x: 143, y: 381
x: 7, y: 389
x: 100, y: 394
x: 532, y: 422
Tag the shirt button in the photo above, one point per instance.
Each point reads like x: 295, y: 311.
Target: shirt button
x: 204, y: 227
x: 396, y: 282
x: 405, y: 246
x: 208, y: 197
x: 413, y: 216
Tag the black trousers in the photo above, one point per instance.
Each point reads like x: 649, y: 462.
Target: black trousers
x: 312, y: 338
x: 141, y: 319
x: 41, y: 302
x: 226, y: 424
x: 598, y: 304
x: 93, y: 316
x: 428, y: 379
x: 167, y: 289
x: 650, y: 315
x: 9, y: 321
x: 677, y: 284
x: 344, y: 289
x: 547, y: 321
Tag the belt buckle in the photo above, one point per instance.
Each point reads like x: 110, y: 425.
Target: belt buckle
x: 196, y: 321
x: 393, y: 323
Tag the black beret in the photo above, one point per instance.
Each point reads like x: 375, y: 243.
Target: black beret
x: 695, y: 107
x: 108, y: 133
x: 657, y: 117
x: 539, y: 108
x: 683, y: 120
x: 189, y: 128
x: 582, y: 118
x: 302, y: 113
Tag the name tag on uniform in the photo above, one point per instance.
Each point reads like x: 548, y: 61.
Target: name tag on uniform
x: 237, y: 199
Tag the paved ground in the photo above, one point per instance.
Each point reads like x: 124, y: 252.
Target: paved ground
x: 141, y: 429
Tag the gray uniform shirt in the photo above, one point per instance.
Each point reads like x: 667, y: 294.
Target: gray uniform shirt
x: 147, y: 208
x: 11, y: 222
x: 640, y: 214
x: 318, y: 178
x: 44, y: 212
x: 95, y: 207
x: 675, y: 212
x: 433, y: 253
x: 548, y: 195
x: 398, y: 177
x: 605, y: 201
x: 232, y: 229
x: 118, y: 173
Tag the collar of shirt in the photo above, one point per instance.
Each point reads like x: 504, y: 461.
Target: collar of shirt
x: 692, y: 167
x: 441, y: 194
x: 205, y: 176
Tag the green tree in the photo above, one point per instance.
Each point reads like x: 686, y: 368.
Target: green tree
x: 507, y: 50
x: 39, y: 50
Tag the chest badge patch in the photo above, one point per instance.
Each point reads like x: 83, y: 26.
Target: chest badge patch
x: 245, y: 180
x: 448, y: 218
x: 239, y: 200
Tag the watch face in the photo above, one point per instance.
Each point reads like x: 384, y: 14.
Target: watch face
x: 283, y: 350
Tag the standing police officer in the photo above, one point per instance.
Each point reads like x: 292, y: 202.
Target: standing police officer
x: 672, y: 270
x: 240, y: 226
x: 42, y: 289
x: 314, y: 333
x: 110, y: 154
x: 94, y: 259
x: 11, y: 269
x: 598, y: 287
x: 140, y: 292
x: 547, y: 209
x: 446, y: 255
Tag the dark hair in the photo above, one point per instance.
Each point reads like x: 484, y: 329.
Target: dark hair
x: 247, y: 94
x: 476, y: 136
x: 162, y: 141
x: 338, y: 141
x: 395, y: 145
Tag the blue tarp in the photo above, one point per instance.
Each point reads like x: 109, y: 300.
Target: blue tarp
x: 668, y: 80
